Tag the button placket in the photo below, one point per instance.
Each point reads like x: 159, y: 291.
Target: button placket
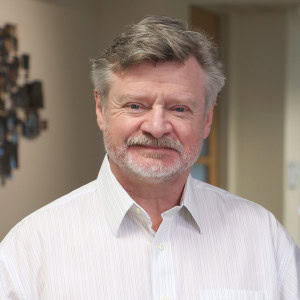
x: 163, y: 272
x: 161, y: 246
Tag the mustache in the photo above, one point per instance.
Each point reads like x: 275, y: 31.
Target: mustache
x: 165, y: 141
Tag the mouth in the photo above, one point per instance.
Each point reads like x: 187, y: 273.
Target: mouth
x: 153, y: 148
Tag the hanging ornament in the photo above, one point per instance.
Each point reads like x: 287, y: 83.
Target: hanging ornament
x: 20, y: 101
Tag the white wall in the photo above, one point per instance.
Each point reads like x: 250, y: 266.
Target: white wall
x: 60, y: 42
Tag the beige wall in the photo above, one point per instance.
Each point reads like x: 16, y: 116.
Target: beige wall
x: 68, y: 154
x: 115, y: 14
x: 264, y: 109
x: 291, y: 216
x: 62, y: 36
x: 256, y: 84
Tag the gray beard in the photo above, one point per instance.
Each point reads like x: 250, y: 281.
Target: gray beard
x: 151, y: 172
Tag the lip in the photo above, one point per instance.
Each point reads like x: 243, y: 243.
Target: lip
x: 152, y: 148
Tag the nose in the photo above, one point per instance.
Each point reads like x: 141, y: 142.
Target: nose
x: 156, y: 123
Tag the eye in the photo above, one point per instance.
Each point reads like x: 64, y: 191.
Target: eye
x: 180, y: 109
x: 135, y: 106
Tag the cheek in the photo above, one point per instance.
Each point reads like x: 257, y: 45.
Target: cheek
x: 189, y: 134
x: 195, y: 141
x: 123, y: 128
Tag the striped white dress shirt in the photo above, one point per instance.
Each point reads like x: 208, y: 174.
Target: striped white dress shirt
x: 97, y: 243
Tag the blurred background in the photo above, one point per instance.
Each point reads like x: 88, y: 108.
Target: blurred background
x: 254, y: 150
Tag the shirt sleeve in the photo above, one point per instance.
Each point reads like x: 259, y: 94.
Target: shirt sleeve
x: 20, y: 264
x: 290, y: 287
x: 288, y: 262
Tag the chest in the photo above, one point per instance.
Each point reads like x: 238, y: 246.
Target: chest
x: 179, y: 264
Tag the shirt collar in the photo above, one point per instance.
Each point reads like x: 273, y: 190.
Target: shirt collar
x: 117, y: 202
x: 191, y: 202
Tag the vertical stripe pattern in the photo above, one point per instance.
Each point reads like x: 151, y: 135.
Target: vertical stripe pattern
x: 97, y: 243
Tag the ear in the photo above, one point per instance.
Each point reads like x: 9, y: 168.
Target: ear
x: 208, y: 121
x: 99, y: 110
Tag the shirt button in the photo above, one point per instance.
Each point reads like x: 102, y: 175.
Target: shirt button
x: 164, y: 298
x: 161, y: 246
x: 138, y: 210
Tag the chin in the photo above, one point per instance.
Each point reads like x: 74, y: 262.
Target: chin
x: 151, y: 167
x: 154, y: 170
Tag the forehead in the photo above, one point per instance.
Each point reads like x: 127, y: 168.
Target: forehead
x: 168, y: 77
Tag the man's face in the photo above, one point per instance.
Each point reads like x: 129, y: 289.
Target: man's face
x: 154, y: 122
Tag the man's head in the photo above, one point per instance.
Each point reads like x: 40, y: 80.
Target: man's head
x: 155, y: 89
x: 158, y: 39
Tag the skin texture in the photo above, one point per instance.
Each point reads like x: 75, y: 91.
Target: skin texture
x: 163, y: 102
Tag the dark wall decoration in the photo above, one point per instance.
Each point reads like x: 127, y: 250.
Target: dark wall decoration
x: 20, y: 101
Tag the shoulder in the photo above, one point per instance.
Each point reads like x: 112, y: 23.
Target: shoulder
x: 238, y: 216
x: 253, y: 228
x: 225, y: 201
x: 61, y: 211
x: 242, y: 218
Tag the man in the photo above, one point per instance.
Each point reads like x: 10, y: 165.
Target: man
x: 145, y: 229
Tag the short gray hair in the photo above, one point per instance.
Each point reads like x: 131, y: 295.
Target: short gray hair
x: 158, y: 39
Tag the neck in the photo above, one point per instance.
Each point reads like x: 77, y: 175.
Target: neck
x: 154, y: 197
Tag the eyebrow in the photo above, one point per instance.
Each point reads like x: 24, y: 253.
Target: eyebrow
x: 173, y: 98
